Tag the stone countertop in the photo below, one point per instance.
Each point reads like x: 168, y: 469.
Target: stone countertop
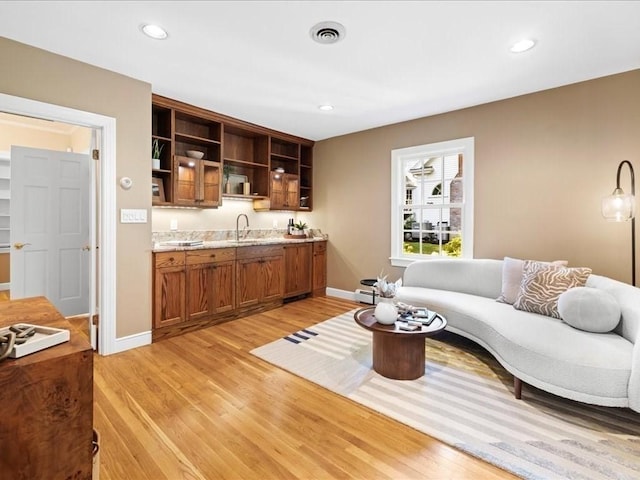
x: 246, y: 242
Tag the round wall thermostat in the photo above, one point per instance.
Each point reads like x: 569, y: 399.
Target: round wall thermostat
x: 126, y: 183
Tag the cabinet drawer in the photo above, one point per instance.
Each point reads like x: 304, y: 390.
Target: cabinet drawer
x: 319, y: 247
x: 210, y: 255
x: 169, y: 259
x: 259, y: 251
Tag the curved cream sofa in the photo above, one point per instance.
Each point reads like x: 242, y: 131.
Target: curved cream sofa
x: 595, y: 368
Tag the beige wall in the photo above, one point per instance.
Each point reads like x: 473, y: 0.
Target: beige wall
x: 31, y: 137
x: 543, y: 162
x: 43, y: 76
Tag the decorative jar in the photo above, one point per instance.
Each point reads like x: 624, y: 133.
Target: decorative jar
x: 386, y: 312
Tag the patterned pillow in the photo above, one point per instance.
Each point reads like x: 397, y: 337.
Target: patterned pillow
x: 543, y: 283
x: 512, y: 278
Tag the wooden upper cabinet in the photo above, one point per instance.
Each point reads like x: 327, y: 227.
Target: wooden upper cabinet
x: 196, y: 182
x: 284, y: 191
x: 239, y: 159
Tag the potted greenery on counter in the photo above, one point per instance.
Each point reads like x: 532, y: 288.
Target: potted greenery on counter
x: 299, y: 228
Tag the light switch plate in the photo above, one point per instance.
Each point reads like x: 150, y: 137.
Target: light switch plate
x: 133, y: 215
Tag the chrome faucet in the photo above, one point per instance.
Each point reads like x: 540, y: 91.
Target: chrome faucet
x: 238, y: 225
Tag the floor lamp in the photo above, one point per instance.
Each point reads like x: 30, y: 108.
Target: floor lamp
x: 620, y: 207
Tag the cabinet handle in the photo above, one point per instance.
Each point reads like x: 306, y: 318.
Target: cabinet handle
x: 213, y: 255
x: 171, y: 259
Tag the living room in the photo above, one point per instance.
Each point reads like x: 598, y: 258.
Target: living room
x: 543, y: 160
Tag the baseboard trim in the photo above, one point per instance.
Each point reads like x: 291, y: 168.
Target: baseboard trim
x: 141, y: 339
x: 132, y: 341
x: 5, y: 286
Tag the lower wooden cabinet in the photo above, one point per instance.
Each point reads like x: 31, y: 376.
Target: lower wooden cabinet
x: 169, y: 289
x: 210, y: 282
x: 197, y: 288
x: 260, y: 275
x: 319, y: 273
x: 297, y: 267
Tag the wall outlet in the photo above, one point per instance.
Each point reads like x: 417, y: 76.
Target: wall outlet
x: 173, y: 224
x: 275, y: 224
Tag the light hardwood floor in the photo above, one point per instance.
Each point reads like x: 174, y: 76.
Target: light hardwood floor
x: 200, y: 406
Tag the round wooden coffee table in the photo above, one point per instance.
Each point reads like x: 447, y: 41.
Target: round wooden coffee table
x: 398, y: 354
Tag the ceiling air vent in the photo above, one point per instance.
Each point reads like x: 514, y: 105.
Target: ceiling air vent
x: 327, y: 32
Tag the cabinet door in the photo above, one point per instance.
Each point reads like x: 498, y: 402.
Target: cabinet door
x: 209, y: 184
x: 277, y: 191
x: 297, y: 270
x: 292, y: 192
x: 224, y: 286
x: 169, y: 296
x: 285, y: 191
x: 200, y: 288
x: 319, y: 268
x: 272, y: 278
x: 185, y: 181
x: 248, y: 276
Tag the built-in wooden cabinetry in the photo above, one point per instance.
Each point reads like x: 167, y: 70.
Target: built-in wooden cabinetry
x: 201, y: 287
x: 210, y: 282
x: 298, y: 267
x: 260, y: 273
x: 169, y: 289
x: 234, y: 151
x: 319, y: 273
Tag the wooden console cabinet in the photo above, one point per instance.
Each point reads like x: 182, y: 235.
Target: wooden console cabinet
x: 46, y: 430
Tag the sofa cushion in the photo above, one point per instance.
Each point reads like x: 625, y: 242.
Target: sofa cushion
x: 543, y: 283
x: 512, y: 269
x: 589, y: 309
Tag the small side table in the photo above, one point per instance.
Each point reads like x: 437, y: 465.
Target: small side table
x: 370, y: 282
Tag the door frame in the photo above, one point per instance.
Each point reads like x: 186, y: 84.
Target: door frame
x: 106, y: 202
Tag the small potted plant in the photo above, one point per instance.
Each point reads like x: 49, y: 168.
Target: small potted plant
x: 226, y: 171
x: 156, y: 150
x: 299, y: 228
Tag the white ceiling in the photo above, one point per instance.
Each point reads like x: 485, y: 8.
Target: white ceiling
x: 399, y: 60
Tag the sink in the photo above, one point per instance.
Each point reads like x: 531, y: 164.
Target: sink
x: 183, y: 243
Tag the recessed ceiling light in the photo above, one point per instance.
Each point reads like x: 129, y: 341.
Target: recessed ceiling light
x: 522, y: 45
x: 326, y: 108
x: 154, y: 31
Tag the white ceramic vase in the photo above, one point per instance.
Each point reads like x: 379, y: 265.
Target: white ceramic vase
x: 386, y: 312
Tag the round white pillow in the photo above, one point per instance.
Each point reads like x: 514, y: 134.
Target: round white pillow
x: 589, y: 309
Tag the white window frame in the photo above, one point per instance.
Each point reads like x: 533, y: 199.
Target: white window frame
x: 465, y: 146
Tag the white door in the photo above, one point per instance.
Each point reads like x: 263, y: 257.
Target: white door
x: 50, y: 227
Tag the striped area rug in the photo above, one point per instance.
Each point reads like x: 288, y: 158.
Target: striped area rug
x: 539, y: 437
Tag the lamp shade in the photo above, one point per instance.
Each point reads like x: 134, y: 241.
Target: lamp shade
x: 618, y: 207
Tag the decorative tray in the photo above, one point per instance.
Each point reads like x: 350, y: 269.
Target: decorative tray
x: 295, y: 237
x: 44, y: 337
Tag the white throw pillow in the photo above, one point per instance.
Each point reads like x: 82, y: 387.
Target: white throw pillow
x: 589, y: 309
x: 512, y: 269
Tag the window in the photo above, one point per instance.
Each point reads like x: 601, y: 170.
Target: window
x: 432, y: 201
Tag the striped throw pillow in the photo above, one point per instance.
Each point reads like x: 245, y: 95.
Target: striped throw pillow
x: 543, y: 283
